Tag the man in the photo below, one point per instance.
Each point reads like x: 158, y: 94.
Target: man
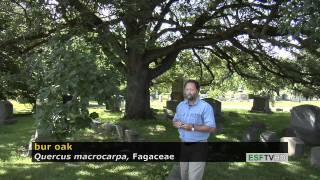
x: 194, y: 120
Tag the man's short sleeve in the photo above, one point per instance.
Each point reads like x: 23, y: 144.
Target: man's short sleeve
x: 208, y: 117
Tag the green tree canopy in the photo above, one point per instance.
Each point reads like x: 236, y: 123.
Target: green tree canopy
x: 143, y: 38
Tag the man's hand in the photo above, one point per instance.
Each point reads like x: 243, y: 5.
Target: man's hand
x: 177, y: 124
x: 187, y: 127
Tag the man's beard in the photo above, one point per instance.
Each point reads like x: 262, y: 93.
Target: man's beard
x: 191, y: 97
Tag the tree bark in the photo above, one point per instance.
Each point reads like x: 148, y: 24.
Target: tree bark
x: 138, y: 93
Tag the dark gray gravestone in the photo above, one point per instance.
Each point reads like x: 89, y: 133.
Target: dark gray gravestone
x: 253, y: 132
x: 315, y: 156
x: 120, y: 132
x: 131, y: 136
x: 305, y: 120
x: 6, y: 113
x: 285, y: 97
x: 116, y: 103
x: 95, y: 123
x: 176, y: 97
x: 261, y: 104
x: 169, y: 114
x: 269, y: 136
x: 177, y: 90
x: 288, y: 132
x: 170, y: 109
x: 172, y: 105
x: 216, y: 105
x: 108, y: 128
x: 251, y: 135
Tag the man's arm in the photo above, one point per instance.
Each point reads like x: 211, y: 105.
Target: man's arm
x: 201, y: 128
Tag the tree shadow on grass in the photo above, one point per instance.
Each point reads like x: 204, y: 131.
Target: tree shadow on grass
x: 19, y: 134
x: 15, y: 136
x: 95, y: 171
x: 293, y: 170
x: 296, y: 168
x: 235, y: 127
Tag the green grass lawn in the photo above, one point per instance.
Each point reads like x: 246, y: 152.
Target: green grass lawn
x: 276, y: 104
x: 14, y: 166
x: 232, y: 105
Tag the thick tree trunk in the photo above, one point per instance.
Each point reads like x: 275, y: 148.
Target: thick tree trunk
x: 138, y: 94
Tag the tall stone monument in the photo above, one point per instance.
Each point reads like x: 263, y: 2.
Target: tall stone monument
x: 261, y: 104
x: 176, y: 97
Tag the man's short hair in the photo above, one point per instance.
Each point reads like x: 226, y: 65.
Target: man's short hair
x: 196, y: 83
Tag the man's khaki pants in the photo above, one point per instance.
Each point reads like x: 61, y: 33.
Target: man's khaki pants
x: 192, y: 170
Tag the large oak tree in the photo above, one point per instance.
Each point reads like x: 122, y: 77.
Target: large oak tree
x: 144, y: 38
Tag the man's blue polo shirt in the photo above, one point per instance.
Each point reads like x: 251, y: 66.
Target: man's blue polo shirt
x: 201, y: 113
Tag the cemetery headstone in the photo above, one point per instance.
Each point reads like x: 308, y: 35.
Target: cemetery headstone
x: 131, y: 136
x: 169, y: 114
x: 172, y: 105
x: 285, y: 97
x: 315, y: 156
x: 176, y: 97
x: 116, y: 103
x: 95, y: 123
x: 253, y: 132
x: 251, y: 135
x: 288, y: 132
x: 305, y: 120
x: 243, y: 97
x: 261, y: 104
x: 295, y: 146
x: 6, y: 113
x: 120, y: 132
x: 269, y: 136
x: 109, y: 128
x: 216, y: 105
x: 177, y: 90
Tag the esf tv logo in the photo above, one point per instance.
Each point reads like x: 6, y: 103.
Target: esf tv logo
x: 266, y: 157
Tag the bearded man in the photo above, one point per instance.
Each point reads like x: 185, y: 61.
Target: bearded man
x: 194, y: 120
